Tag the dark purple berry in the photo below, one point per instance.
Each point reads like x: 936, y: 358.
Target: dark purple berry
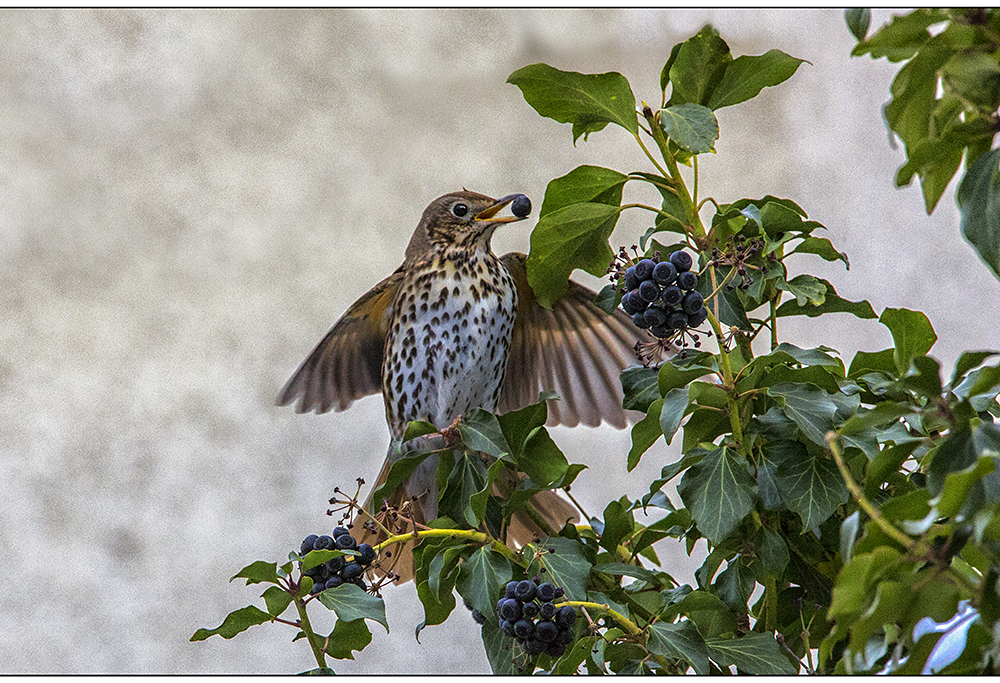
x: 307, y: 544
x: 524, y: 628
x: 692, y: 302
x: 529, y: 610
x: 660, y: 331
x: 315, y: 572
x: 628, y: 305
x: 359, y: 582
x: 631, y: 281
x: 521, y: 206
x: 510, y: 609
x: 555, y: 649
x: 546, y: 592
x: 687, y: 280
x: 677, y: 320
x: 654, y: 317
x: 672, y: 295
x: 644, y: 269
x: 698, y: 318
x: 334, y: 581
x: 664, y: 273
x: 682, y: 261
x: 335, y: 565
x: 352, y: 571
x: 367, y: 554
x: 323, y: 543
x: 547, y: 610
x: 534, y: 647
x: 346, y: 542
x: 340, y: 531
x: 525, y: 591
x: 565, y: 636
x: 509, y: 589
x: 318, y: 587
x: 648, y: 291
x: 507, y: 627
x: 565, y: 617
x: 546, y: 630
x: 478, y: 617
x: 639, y: 320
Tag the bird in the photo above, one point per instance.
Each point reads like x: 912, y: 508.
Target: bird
x: 455, y: 328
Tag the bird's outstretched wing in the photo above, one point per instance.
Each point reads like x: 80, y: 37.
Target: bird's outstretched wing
x: 574, y: 349
x: 347, y: 364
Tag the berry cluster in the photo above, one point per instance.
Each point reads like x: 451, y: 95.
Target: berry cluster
x: 660, y: 295
x: 517, y: 610
x: 343, y: 569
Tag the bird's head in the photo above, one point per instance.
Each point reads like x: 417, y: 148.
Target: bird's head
x: 463, y: 221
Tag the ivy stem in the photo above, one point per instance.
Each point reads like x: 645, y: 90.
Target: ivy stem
x: 727, y: 378
x: 696, y: 229
x: 627, y: 625
x: 651, y: 157
x: 317, y: 649
x: 771, y: 596
x: 774, y: 320
x: 465, y: 534
x: 649, y: 208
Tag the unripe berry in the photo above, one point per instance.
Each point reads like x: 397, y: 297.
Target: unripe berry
x: 664, y: 273
x: 644, y: 269
x: 687, y: 280
x: 682, y: 261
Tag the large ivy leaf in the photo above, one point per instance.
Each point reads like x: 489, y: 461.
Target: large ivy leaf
x: 772, y: 550
x: 679, y: 641
x: 747, y: 75
x: 236, y: 622
x: 805, y: 288
x: 398, y: 473
x: 467, y: 478
x: 575, y: 236
x: 810, y: 485
x: 618, y: 525
x: 640, y: 386
x: 719, y: 491
x: 277, y: 600
x: 348, y: 637
x: 706, y: 610
x: 912, y: 335
x: 754, y: 653
x: 564, y: 563
x: 697, y: 68
x: 675, y: 403
x: 858, y: 19
x: 485, y: 571
x: 588, y: 101
x: 541, y: 459
x: 808, y: 406
x: 258, y: 572
x: 645, y: 432
x: 594, y: 184
x: 350, y: 602
x: 481, y: 432
x: 832, y: 303
x: 498, y: 650
x: 517, y: 424
x: 979, y: 202
x: 673, y: 375
x: 692, y: 127
x: 902, y: 37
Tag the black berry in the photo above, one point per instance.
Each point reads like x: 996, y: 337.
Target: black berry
x: 334, y: 581
x: 529, y: 610
x: 631, y: 281
x: 510, y: 588
x: 534, y: 647
x: 346, y: 542
x: 560, y: 592
x: 335, y: 565
x: 547, y: 610
x: 664, y: 273
x: 367, y: 554
x: 672, y: 295
x: 318, y: 587
x: 525, y: 591
x: 524, y: 629
x: 510, y: 609
x: 565, y: 636
x: 478, y: 617
x: 648, y: 291
x: 546, y: 631
x: 555, y: 649
x: 340, y: 531
x: 507, y: 627
x: 307, y: 544
x: 628, y: 305
x: 521, y: 206
x: 692, y: 302
x: 323, y: 543
x: 677, y: 320
x: 352, y: 571
x: 654, y: 317
x: 644, y: 269
x: 687, y: 280
x: 546, y: 592
x: 639, y: 320
x: 565, y: 617
x: 698, y: 318
x: 682, y: 261
x: 660, y: 331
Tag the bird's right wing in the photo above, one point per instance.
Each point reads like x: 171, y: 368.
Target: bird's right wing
x: 347, y: 364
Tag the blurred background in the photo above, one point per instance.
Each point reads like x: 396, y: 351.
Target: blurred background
x: 189, y: 199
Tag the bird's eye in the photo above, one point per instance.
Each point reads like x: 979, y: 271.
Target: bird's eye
x: 460, y: 210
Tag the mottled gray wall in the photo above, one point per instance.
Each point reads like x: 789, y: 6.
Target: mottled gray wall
x: 188, y: 199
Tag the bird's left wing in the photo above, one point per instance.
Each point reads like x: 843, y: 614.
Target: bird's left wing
x: 347, y: 364
x: 574, y: 349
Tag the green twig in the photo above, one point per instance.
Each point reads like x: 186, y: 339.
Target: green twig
x: 727, y: 381
x: 774, y: 320
x: 311, y: 636
x: 464, y: 534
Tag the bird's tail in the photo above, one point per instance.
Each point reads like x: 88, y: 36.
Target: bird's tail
x: 544, y: 515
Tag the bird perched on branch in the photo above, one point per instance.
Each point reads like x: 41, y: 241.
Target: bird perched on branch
x: 455, y: 328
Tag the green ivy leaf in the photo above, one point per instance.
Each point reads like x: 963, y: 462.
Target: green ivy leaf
x: 348, y: 637
x: 912, y: 335
x: 277, y: 600
x: 608, y: 298
x: 706, y: 610
x: 772, y: 550
x: 350, y: 602
x: 542, y: 460
x: 979, y: 203
x: 736, y: 584
x: 887, y: 412
x: 481, y: 432
x: 498, y: 650
x: 478, y: 500
x: 645, y: 433
x: 832, y: 303
x: 575, y: 236
x: 673, y: 376
x: 747, y: 75
x: 692, y: 127
x: 417, y: 428
x: 467, y: 478
x: 858, y: 19
x: 680, y: 641
x: 902, y: 37
x: 810, y: 485
x: 957, y: 486
x: 805, y: 288
x: 518, y: 424
x: 822, y: 247
x: 640, y: 386
x: 588, y: 101
x: 719, y: 491
x: 754, y: 653
x: 564, y: 563
x: 235, y: 623
x: 398, y: 473
x: 699, y: 65
x: 675, y: 404
x: 967, y: 361
x: 485, y: 571
x: 258, y: 572
x: 808, y: 406
x: 618, y: 524
x: 594, y: 184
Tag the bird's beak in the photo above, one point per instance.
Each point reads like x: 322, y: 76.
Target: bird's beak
x: 489, y: 215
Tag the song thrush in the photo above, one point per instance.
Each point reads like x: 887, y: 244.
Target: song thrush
x: 455, y: 328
